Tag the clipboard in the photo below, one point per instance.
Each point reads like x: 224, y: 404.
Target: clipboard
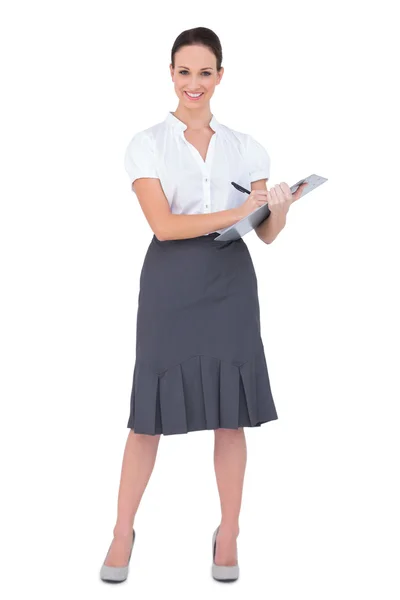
x: 251, y: 221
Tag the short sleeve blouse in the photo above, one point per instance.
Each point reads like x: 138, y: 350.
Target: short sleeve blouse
x: 193, y: 185
x: 259, y: 161
x: 140, y: 157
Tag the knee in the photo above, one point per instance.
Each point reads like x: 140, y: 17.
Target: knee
x: 228, y: 433
x: 144, y: 437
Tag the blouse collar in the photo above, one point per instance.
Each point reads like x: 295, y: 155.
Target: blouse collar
x: 181, y: 126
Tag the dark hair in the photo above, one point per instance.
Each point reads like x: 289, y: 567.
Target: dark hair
x: 198, y: 35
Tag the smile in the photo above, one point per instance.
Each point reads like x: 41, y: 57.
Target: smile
x: 194, y: 96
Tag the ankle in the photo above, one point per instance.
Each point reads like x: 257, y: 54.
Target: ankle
x: 121, y: 531
x: 229, y: 529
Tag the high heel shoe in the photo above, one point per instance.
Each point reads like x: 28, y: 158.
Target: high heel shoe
x: 116, y: 574
x: 222, y: 572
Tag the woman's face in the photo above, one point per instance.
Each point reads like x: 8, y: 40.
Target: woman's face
x: 195, y: 72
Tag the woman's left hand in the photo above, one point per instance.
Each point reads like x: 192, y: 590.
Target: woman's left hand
x: 280, y: 198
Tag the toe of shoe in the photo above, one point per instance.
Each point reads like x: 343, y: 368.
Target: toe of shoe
x: 108, y: 573
x: 225, y: 573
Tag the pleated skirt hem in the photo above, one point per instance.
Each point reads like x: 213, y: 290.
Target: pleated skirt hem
x: 201, y: 392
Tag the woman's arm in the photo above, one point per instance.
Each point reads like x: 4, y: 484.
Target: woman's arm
x: 169, y: 226
x: 268, y: 230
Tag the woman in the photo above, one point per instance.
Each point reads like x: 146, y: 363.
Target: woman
x: 200, y: 360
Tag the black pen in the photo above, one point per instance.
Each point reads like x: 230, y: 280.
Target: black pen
x: 240, y: 188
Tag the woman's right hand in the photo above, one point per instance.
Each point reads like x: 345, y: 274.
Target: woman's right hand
x: 253, y: 201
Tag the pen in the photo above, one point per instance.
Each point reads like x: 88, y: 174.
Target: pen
x: 240, y: 188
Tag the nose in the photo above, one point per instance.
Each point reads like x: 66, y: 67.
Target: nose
x: 193, y: 86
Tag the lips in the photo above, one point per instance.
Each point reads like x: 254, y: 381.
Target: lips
x: 195, y: 98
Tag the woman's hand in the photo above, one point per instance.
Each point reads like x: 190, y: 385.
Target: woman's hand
x: 253, y: 201
x: 280, y: 198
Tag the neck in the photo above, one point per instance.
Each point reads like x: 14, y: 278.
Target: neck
x: 195, y: 119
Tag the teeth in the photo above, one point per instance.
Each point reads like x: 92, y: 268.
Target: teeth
x: 194, y: 95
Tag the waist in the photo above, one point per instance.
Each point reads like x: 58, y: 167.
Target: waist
x: 205, y: 237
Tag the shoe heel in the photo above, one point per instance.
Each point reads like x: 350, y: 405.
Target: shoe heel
x: 225, y: 573
x: 117, y: 574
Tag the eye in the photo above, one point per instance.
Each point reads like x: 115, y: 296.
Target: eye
x: 185, y: 71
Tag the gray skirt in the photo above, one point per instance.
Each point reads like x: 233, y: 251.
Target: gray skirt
x: 200, y: 360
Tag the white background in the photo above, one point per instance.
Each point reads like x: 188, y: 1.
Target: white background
x: 316, y: 85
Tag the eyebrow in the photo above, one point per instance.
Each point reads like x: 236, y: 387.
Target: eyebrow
x: 183, y: 67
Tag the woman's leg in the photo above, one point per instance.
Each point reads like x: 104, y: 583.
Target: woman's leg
x: 230, y: 456
x: 137, y: 466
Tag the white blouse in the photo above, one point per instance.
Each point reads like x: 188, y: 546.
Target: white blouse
x: 190, y: 184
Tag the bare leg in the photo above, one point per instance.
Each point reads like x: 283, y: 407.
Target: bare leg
x: 230, y: 457
x: 137, y: 466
